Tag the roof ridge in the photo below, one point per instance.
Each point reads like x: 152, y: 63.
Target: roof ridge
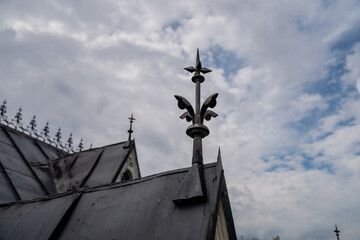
x: 31, y: 131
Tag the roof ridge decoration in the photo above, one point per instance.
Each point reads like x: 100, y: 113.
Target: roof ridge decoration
x: 193, y: 188
x: 130, y: 131
x: 30, y: 130
x: 336, y: 231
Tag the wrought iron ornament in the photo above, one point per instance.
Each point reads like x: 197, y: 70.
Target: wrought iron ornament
x: 16, y: 123
x: 192, y: 189
x: 336, y: 231
x: 130, y: 131
x: 197, y: 130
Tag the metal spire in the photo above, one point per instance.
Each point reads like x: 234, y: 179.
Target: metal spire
x: 130, y: 131
x: 197, y: 130
x: 193, y: 188
x: 336, y: 231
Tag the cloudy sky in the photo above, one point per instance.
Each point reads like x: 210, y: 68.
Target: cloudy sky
x: 287, y: 74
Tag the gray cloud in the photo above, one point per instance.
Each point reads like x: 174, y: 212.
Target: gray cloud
x: 87, y: 65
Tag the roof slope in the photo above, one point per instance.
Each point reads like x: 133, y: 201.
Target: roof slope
x: 92, y: 167
x: 30, y: 168
x: 24, y: 165
x: 137, y: 209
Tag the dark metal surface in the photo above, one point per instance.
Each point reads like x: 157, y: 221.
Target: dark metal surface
x: 137, y: 209
x: 28, y: 148
x: 33, y: 220
x: 71, y: 171
x: 8, y: 191
x: 191, y: 189
x: 33, y: 168
x: 110, y: 163
x: 142, y: 210
x: 17, y: 170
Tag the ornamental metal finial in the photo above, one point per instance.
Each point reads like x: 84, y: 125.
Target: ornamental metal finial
x: 197, y: 130
x: 336, y: 231
x: 192, y: 188
x: 130, y: 131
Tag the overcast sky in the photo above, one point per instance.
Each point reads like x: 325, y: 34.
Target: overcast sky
x: 287, y: 74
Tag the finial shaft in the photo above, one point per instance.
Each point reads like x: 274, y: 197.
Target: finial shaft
x: 197, y: 97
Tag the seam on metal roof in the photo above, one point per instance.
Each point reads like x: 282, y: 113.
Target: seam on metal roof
x: 92, y: 169
x: 27, y: 163
x: 10, y: 182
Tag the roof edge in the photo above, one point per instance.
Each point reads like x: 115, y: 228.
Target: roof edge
x: 106, y: 186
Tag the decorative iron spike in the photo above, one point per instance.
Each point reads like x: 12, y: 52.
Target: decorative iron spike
x: 130, y: 131
x: 57, y: 138
x: 45, y: 132
x: 17, y: 120
x: 336, y: 231
x: 69, y: 144
x: 32, y: 126
x: 80, y: 146
x: 3, y: 112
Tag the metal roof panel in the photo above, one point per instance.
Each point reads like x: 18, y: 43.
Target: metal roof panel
x: 33, y: 220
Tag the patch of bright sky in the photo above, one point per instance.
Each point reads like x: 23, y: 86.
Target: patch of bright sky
x: 332, y: 90
x: 331, y: 87
x: 226, y: 60
x: 174, y: 25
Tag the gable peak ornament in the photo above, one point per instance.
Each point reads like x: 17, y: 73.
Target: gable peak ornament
x: 192, y: 188
x: 197, y: 130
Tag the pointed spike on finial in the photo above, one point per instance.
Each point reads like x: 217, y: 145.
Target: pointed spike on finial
x: 198, y: 63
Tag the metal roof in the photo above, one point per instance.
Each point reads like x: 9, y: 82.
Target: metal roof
x: 30, y: 168
x: 137, y: 209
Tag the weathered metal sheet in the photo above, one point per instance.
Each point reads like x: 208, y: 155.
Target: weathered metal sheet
x: 51, y: 151
x: 61, y: 170
x: 28, y: 148
x: 70, y: 172
x: 108, y: 165
x: 7, y: 193
x: 3, y: 137
x: 142, y: 210
x: 27, y: 187
x: 34, y: 220
x: 46, y: 177
x: 11, y: 159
